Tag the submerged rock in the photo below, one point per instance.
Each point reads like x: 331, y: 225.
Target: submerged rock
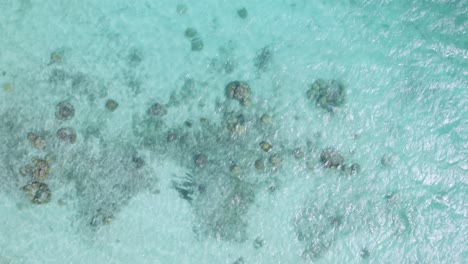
x: 265, y: 146
x: 26, y: 170
x: 330, y: 158
x: 238, y: 90
x: 181, y: 9
x: 275, y: 160
x: 37, y: 192
x: 259, y: 165
x: 327, y: 94
x: 111, y: 105
x: 236, y: 124
x: 37, y: 141
x: 265, y: 119
x: 200, y: 160
x: 64, y: 111
x: 67, y: 134
x: 42, y: 169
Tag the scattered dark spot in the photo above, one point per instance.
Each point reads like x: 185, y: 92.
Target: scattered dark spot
x: 229, y: 66
x: 157, y: 109
x: 93, y: 130
x: 138, y: 161
x: 58, y: 76
x: 298, y: 153
x: 202, y: 188
x: 263, y: 59
x: 200, y: 160
x: 189, y: 84
x: 171, y: 136
x: 188, y: 123
x: 364, y: 253
x: 111, y: 105
x: 390, y: 196
x: 133, y: 83
x: 79, y: 80
x: 185, y: 186
x: 242, y: 13
x: 134, y: 58
x: 57, y: 56
x: 196, y: 44
x: 386, y: 160
x: 337, y: 221
x: 101, y: 217
x: 258, y: 243
x: 239, y: 261
x: 190, y: 33
x: 352, y: 169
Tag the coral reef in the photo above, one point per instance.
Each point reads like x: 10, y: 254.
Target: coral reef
x: 327, y: 94
x: 64, y: 111
x: 37, y: 192
x: 67, y: 134
x: 238, y: 90
x: 331, y: 158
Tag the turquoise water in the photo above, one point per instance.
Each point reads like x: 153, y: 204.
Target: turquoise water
x: 169, y: 176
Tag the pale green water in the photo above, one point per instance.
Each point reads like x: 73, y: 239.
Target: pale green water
x: 403, y: 66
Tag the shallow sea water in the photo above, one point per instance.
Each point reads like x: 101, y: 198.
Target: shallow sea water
x: 124, y: 193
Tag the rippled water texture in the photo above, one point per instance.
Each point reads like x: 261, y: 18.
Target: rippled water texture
x: 233, y: 131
